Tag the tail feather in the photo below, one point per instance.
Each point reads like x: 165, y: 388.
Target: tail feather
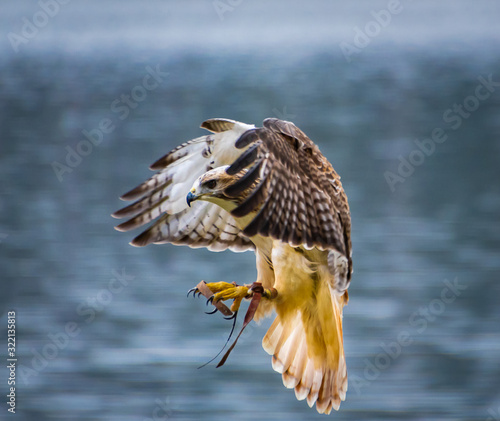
x: 272, y: 336
x: 293, y: 376
x: 315, y: 374
x: 303, y: 389
x: 288, y: 351
x: 312, y: 397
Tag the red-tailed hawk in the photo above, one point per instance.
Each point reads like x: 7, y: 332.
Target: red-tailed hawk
x: 267, y: 189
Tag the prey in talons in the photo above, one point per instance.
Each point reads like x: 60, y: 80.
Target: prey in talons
x: 223, y: 291
x: 217, y: 292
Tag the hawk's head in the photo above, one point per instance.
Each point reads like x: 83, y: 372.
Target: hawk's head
x: 211, y: 187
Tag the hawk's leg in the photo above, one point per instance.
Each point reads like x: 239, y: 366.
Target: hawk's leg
x: 226, y: 291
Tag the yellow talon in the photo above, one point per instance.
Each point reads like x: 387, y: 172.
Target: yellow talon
x: 225, y: 291
x: 216, y: 287
x: 236, y: 292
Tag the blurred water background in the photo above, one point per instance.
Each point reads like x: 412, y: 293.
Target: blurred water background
x: 105, y: 331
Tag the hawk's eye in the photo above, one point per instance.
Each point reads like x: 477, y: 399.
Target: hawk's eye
x: 211, y: 184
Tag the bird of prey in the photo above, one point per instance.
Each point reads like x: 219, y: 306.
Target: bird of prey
x: 271, y: 190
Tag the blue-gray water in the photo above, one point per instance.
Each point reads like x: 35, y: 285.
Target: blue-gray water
x: 105, y: 331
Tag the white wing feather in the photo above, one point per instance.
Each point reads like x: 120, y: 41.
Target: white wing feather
x: 203, y: 225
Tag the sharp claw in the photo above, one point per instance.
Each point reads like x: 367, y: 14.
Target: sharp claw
x: 210, y: 300
x: 212, y: 312
x: 194, y: 291
x: 233, y: 316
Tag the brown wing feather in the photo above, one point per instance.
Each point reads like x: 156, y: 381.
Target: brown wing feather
x: 299, y: 198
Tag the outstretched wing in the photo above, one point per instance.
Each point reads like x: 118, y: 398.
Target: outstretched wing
x: 298, y: 196
x: 164, y: 194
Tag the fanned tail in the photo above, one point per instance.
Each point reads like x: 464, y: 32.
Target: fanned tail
x: 318, y: 374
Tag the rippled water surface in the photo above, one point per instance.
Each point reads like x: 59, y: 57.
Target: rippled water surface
x: 421, y: 328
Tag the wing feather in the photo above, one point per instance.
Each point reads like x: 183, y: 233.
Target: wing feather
x: 299, y: 198
x: 163, y: 196
x: 203, y: 225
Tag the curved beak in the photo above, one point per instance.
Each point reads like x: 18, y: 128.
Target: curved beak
x: 191, y: 197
